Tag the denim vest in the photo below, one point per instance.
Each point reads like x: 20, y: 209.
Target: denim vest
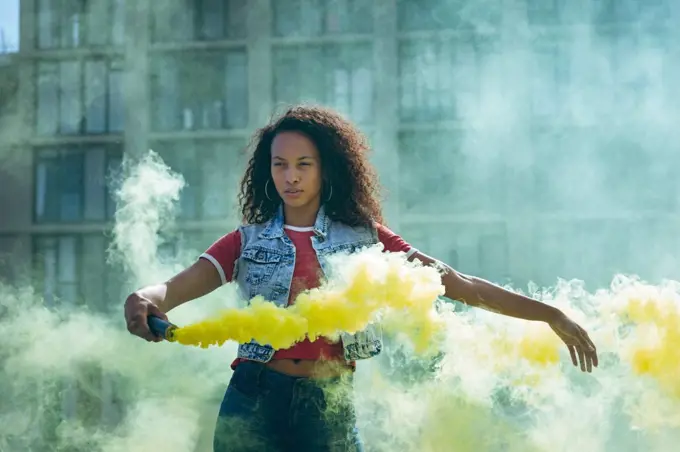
x: 266, y: 265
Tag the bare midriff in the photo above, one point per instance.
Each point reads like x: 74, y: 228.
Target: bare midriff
x: 310, y: 368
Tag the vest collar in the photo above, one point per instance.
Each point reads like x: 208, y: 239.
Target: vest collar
x: 274, y: 227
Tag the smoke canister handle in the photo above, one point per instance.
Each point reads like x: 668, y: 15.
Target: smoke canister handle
x: 161, y: 328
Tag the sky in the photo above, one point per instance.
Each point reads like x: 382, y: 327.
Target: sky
x: 9, y: 25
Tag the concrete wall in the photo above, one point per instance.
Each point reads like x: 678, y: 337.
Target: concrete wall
x: 16, y: 173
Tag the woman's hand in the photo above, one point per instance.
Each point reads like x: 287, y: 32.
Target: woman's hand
x: 577, y: 340
x: 193, y: 282
x: 137, y: 309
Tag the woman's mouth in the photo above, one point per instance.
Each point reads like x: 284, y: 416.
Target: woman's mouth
x: 293, y: 193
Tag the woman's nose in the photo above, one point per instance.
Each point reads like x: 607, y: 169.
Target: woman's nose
x: 292, y: 176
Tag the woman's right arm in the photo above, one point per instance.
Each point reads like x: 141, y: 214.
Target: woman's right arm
x: 214, y: 268
x: 198, y: 280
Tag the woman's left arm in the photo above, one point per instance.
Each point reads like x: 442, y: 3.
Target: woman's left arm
x: 483, y: 294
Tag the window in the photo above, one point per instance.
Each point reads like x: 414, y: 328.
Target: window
x: 553, y: 245
x: 12, y: 249
x: 426, y: 88
x: 185, y: 245
x: 605, y: 250
x: 70, y: 101
x: 79, y: 98
x: 211, y: 169
x: 429, y: 163
x: 103, y: 97
x: 48, y: 99
x: 76, y: 23
x: 200, y: 90
x: 603, y: 12
x: 561, y: 157
x: 118, y: 22
x: 104, y: 286
x: 440, y: 172
x: 640, y: 76
x: 57, y: 263
x: 579, y: 249
x: 448, y: 14
x: 548, y: 166
x: 205, y: 20
x: 340, y: 76
x: 628, y: 164
x: 71, y: 185
x: 115, y: 109
x: 492, y: 249
x: 654, y: 14
x: 73, y: 269
x: 643, y: 12
x: 551, y: 77
x: 544, y: 12
x: 428, y: 14
x: 322, y: 17
x: 440, y: 79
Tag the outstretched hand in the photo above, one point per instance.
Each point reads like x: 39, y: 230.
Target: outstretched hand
x: 581, y: 348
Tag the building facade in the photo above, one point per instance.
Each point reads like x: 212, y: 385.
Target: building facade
x: 432, y: 83
x: 426, y: 80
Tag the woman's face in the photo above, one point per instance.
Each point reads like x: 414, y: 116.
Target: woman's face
x: 296, y: 169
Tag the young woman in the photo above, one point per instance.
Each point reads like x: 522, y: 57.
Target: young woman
x: 309, y: 191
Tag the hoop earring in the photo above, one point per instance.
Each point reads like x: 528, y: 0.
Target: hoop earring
x: 330, y: 195
x: 266, y: 190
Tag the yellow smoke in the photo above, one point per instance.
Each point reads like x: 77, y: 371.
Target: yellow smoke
x: 537, y: 344
x: 655, y: 351
x: 366, y: 286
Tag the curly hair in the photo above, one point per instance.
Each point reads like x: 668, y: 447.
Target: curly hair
x: 344, y: 164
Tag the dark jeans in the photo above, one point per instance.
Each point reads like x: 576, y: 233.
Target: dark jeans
x: 265, y: 410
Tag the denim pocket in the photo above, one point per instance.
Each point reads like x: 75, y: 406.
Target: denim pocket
x: 243, y: 395
x: 236, y: 403
x: 261, y: 264
x: 241, y: 424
